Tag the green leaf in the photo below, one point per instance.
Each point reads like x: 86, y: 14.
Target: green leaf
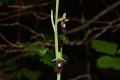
x: 35, y: 49
x: 116, y: 65
x: 49, y: 37
x: 42, y: 51
x: 103, y: 46
x: 29, y: 76
x: 32, y: 52
x: 108, y: 62
x: 4, y: 1
x: 9, y: 66
x: 26, y: 43
x: 8, y: 63
x: 105, y: 62
x: 47, y: 59
x: 64, y: 39
x: 19, y: 75
x: 118, y: 52
x: 32, y: 47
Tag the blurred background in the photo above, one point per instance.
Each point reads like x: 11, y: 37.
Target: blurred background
x: 90, y: 46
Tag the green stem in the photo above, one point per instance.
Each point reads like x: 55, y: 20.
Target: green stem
x: 58, y: 76
x: 55, y: 33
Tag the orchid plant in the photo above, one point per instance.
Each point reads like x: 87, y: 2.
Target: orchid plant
x: 59, y: 59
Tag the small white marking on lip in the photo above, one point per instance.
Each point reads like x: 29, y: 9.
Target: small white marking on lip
x: 64, y: 25
x: 59, y: 65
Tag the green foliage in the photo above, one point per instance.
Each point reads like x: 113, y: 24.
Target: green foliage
x: 30, y: 75
x: 108, y: 62
x: 64, y: 39
x: 26, y: 44
x: 4, y: 1
x: 46, y: 55
x: 35, y: 49
x: 110, y: 49
x: 118, y: 52
x: 9, y: 66
x: 19, y: 75
x: 47, y: 59
x: 103, y: 46
x: 49, y: 37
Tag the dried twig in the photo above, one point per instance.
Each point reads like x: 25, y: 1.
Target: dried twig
x: 13, y: 45
x: 11, y: 24
x: 37, y: 16
x: 30, y: 6
x: 80, y: 76
x: 109, y: 6
x: 32, y: 31
x: 16, y: 58
x: 93, y: 19
x: 106, y: 28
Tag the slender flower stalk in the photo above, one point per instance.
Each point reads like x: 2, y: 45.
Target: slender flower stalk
x: 56, y: 32
x: 58, y: 53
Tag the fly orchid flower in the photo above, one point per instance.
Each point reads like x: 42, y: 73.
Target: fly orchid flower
x: 59, y: 64
x: 59, y: 61
x: 63, y: 25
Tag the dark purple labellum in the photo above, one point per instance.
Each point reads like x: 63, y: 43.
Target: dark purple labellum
x: 63, y: 25
x: 63, y: 29
x: 59, y: 64
x: 59, y: 69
